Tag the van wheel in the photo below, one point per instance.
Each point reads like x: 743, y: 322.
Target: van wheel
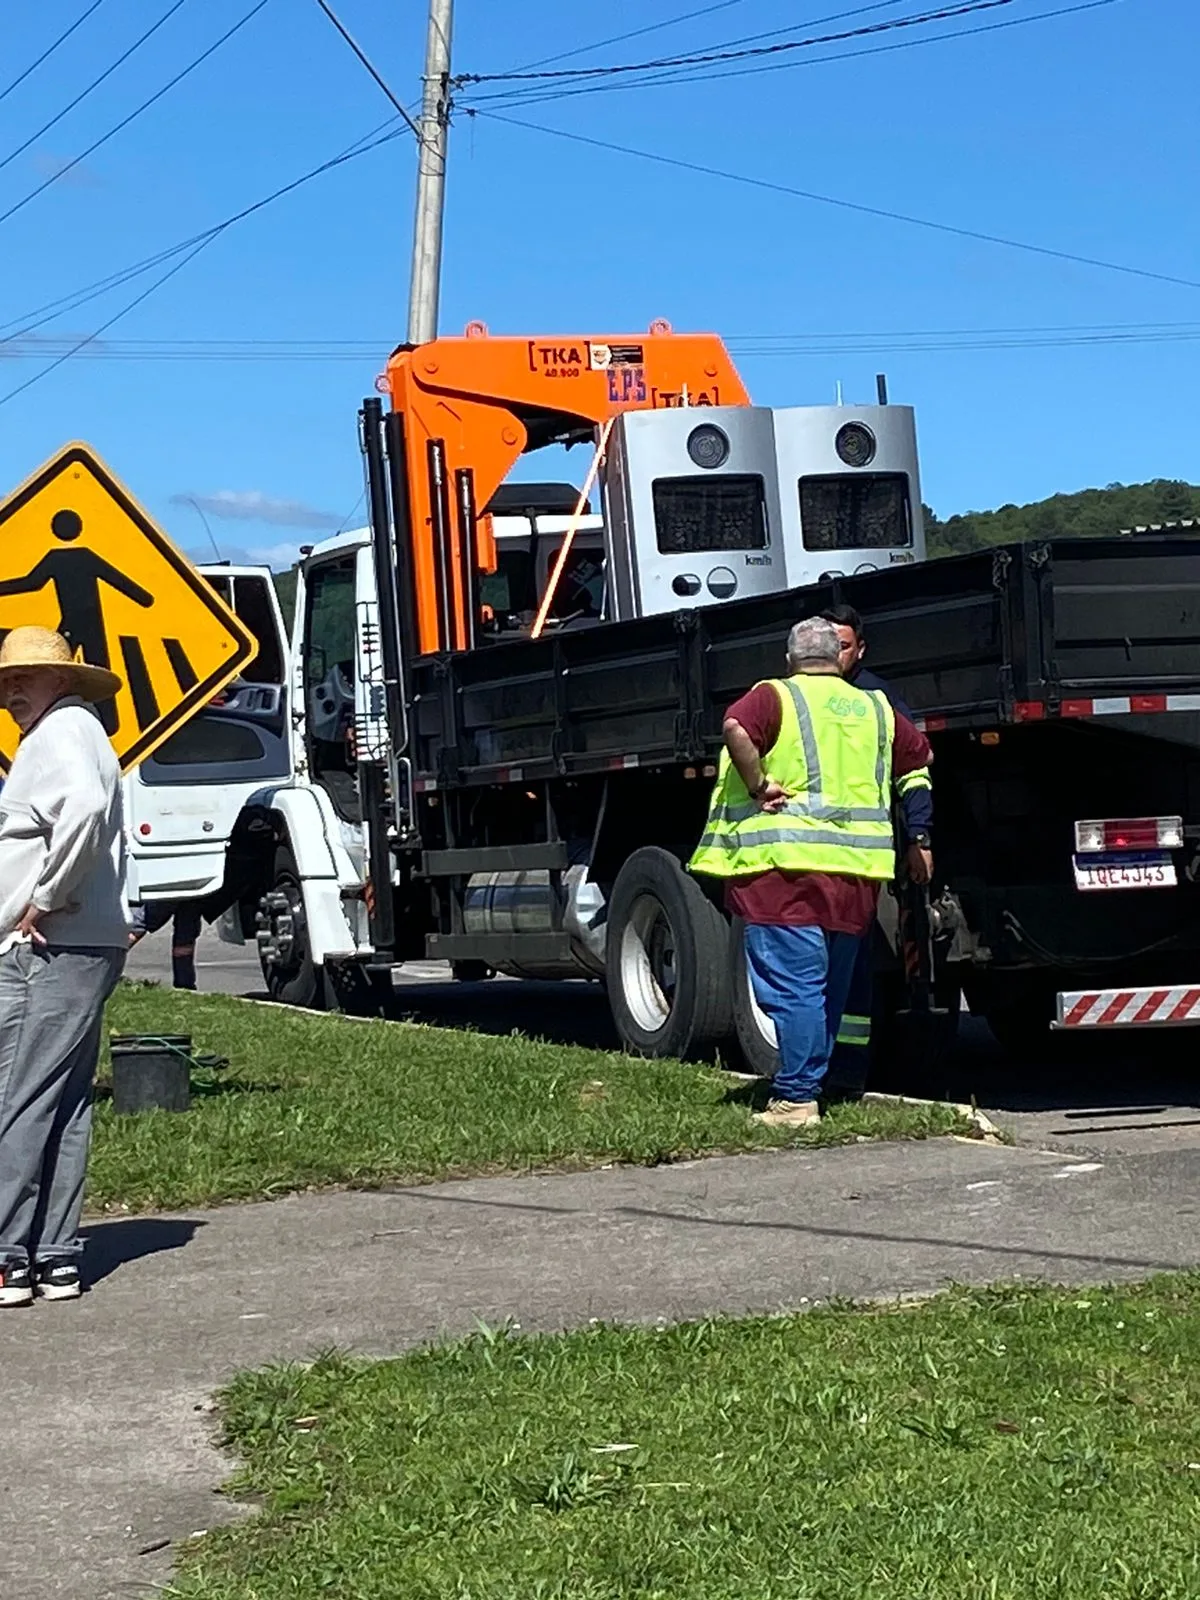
x: 753, y: 1029
x: 284, y: 952
x: 667, y: 959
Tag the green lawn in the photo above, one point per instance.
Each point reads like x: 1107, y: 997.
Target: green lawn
x: 1013, y: 1444
x: 313, y: 1101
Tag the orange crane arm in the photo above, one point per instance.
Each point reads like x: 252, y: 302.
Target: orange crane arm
x: 480, y: 402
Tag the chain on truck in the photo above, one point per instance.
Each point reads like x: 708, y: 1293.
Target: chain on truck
x: 506, y: 709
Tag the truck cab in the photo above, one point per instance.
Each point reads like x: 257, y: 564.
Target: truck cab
x: 181, y: 803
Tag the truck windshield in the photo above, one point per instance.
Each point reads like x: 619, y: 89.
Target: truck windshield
x: 869, y: 511
x: 249, y: 596
x: 695, y: 515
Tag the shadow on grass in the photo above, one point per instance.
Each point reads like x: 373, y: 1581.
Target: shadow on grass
x: 208, y: 1088
x: 111, y: 1245
x: 755, y: 1095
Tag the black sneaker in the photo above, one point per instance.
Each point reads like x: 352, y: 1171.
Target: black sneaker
x: 16, y: 1284
x: 58, y: 1280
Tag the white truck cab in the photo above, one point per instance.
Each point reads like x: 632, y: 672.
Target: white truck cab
x: 181, y: 803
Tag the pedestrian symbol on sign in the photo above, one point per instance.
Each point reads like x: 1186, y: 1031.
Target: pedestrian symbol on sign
x: 78, y: 554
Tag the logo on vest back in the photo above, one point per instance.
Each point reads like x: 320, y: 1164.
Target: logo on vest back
x: 842, y: 706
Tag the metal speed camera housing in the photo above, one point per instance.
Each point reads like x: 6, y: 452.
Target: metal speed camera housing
x: 691, y: 508
x: 849, y: 490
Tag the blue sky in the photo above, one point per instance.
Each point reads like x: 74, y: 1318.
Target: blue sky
x: 1078, y: 133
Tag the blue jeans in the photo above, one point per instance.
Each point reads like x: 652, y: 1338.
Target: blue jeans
x: 801, y: 976
x: 851, y: 1059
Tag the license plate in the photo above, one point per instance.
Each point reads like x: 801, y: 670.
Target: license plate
x: 1151, y: 871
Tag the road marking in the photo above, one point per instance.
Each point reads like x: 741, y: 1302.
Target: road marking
x: 1077, y: 1168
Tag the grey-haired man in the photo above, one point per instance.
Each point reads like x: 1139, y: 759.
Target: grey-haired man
x: 63, y: 935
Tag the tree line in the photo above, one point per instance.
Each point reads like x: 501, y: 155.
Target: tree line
x: 1088, y: 514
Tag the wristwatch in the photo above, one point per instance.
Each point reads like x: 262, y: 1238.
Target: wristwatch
x: 921, y: 838
x: 754, y: 793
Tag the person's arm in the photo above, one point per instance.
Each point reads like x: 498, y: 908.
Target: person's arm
x: 74, y: 816
x: 751, y: 728
x: 911, y: 756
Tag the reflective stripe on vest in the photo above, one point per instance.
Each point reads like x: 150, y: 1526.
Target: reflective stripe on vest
x: 835, y: 765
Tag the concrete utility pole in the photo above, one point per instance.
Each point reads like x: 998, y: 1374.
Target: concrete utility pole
x: 431, y: 177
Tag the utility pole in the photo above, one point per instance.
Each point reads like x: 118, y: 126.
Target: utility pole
x: 431, y: 177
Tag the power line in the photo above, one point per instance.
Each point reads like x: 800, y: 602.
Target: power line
x: 635, y: 33
x: 713, y: 58
x: 366, y: 62
x: 133, y: 115
x: 52, y: 309
x: 791, y: 345
x: 191, y: 248
x: 49, y: 50
x: 846, y: 205
x: 95, y: 84
x: 104, y: 326
x: 516, y: 98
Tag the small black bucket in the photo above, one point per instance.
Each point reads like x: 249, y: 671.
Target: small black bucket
x: 151, y: 1072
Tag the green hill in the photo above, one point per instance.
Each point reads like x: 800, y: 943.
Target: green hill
x: 1089, y: 514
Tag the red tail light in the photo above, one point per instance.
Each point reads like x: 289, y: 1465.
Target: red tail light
x: 1129, y: 833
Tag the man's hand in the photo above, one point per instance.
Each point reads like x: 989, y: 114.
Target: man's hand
x: 771, y: 797
x: 28, y: 925
x: 919, y: 860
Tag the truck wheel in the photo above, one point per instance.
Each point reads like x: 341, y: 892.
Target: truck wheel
x: 284, y: 952
x: 667, y: 959
x: 753, y: 1029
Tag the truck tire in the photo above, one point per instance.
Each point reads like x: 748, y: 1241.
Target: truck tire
x: 753, y: 1029
x: 667, y: 960
x: 294, y: 980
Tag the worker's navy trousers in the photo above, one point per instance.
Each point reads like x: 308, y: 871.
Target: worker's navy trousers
x: 801, y: 976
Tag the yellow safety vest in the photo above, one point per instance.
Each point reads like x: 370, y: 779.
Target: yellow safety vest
x: 833, y: 757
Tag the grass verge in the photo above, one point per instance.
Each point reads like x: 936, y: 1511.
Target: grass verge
x: 1011, y: 1444
x: 310, y: 1101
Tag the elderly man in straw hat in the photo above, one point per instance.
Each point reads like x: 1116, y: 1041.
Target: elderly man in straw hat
x: 63, y: 936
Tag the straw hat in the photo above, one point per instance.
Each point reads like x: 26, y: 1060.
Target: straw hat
x: 29, y: 646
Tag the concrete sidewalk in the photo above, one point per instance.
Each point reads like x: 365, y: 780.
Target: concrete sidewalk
x: 106, y: 1444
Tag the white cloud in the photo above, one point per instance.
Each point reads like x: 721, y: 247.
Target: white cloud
x: 279, y: 557
x: 251, y: 505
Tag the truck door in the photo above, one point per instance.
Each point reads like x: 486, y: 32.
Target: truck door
x: 182, y: 801
x: 327, y: 681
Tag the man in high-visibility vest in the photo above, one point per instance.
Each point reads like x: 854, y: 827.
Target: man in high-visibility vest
x: 800, y: 827
x: 850, y: 1062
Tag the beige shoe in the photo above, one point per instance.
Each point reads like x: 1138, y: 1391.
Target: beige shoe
x: 789, y: 1113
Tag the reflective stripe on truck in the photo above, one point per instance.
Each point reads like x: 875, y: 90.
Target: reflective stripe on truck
x: 1129, y: 1008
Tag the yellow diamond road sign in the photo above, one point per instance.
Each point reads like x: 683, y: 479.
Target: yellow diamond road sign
x: 78, y: 553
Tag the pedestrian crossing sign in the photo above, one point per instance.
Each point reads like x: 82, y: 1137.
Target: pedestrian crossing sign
x: 77, y: 553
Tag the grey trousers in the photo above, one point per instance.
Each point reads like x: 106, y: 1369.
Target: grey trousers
x: 51, y: 1007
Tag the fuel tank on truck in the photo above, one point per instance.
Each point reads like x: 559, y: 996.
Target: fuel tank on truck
x: 849, y: 490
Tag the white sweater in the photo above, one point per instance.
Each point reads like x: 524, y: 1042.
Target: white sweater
x: 62, y: 843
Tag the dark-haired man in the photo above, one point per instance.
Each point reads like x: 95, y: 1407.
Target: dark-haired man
x: 851, y: 1057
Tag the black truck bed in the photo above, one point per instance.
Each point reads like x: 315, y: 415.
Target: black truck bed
x: 1013, y: 633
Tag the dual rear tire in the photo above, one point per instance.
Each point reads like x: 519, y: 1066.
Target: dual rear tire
x: 667, y: 959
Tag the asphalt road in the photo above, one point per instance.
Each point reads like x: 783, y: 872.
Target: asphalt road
x: 1100, y: 1096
